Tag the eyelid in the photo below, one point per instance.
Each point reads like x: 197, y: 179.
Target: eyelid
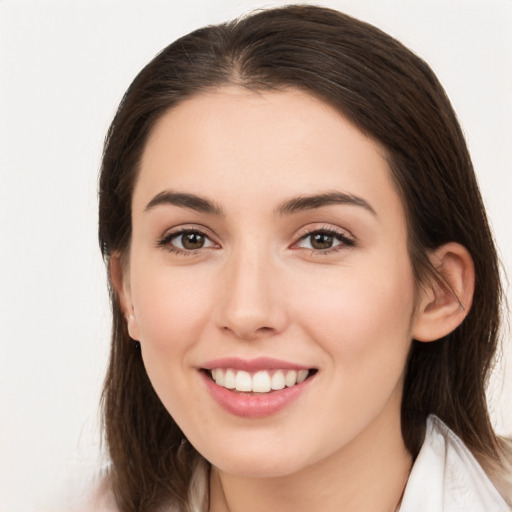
x: 323, y: 228
x: 348, y: 240
x: 164, y: 241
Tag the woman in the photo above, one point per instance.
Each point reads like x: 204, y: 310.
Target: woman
x: 305, y: 289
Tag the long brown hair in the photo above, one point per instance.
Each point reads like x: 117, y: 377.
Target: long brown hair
x: 389, y: 94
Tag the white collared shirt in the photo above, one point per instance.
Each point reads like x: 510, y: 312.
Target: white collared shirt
x: 447, y: 478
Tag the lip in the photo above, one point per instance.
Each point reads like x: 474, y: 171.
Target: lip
x: 254, y: 405
x: 253, y: 365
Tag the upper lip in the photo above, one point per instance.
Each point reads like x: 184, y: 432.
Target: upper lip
x: 253, y: 365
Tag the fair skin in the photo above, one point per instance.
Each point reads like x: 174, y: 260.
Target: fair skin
x: 240, y: 268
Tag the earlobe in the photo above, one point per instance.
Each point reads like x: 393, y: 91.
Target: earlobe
x: 122, y: 290
x: 446, y: 300
x: 133, y: 329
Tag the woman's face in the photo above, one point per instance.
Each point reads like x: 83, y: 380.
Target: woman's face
x: 269, y: 246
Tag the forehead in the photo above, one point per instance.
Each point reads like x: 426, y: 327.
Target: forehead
x: 262, y: 145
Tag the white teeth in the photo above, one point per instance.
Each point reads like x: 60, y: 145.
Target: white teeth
x: 243, y: 381
x: 262, y: 381
x: 229, y: 379
x: 278, y: 380
x: 219, y: 377
x: 291, y: 378
x: 301, y: 376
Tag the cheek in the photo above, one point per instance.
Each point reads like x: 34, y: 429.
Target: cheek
x: 169, y: 323
x: 363, y: 321
x: 364, y: 328
x: 171, y: 311
x: 169, y: 307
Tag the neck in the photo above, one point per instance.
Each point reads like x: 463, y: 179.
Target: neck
x: 369, y: 473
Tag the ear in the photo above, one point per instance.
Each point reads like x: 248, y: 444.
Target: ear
x: 121, y: 286
x: 445, y: 301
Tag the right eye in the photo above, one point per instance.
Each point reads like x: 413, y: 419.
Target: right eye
x: 191, y: 240
x: 186, y: 241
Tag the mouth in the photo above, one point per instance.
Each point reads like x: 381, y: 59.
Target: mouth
x: 256, y: 388
x: 260, y: 382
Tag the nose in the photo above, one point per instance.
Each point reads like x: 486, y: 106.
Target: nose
x: 251, y: 304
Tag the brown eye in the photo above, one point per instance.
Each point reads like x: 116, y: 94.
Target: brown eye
x: 188, y: 241
x: 322, y: 241
x: 192, y: 241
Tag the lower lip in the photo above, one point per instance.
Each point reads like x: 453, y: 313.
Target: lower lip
x: 248, y: 405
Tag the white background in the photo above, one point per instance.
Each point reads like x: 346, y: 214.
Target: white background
x: 64, y: 66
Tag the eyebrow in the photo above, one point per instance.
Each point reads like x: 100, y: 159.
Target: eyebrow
x: 294, y: 205
x: 325, y: 199
x: 191, y: 201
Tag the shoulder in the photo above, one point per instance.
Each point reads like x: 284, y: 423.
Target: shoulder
x: 447, y: 477
x: 502, y: 477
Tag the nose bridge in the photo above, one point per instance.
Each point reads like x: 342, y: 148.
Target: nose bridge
x: 251, y: 307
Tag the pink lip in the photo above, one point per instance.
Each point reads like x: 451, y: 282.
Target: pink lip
x: 253, y: 405
x: 253, y: 365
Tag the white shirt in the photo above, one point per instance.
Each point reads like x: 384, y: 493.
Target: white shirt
x: 447, y: 478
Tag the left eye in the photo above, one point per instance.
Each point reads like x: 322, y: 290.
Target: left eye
x: 190, y: 240
x: 323, y: 240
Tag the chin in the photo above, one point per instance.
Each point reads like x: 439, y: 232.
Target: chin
x: 258, y: 468
x: 256, y: 462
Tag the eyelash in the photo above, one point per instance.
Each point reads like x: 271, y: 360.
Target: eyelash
x: 345, y: 241
x: 166, y: 241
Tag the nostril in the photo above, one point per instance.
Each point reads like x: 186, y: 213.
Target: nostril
x: 264, y: 329
x: 247, y: 332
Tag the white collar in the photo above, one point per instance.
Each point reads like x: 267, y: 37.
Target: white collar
x: 447, y: 478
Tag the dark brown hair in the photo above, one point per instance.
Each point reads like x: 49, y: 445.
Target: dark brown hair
x: 389, y: 94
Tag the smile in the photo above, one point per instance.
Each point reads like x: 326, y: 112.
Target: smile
x: 263, y: 381
x: 256, y: 388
